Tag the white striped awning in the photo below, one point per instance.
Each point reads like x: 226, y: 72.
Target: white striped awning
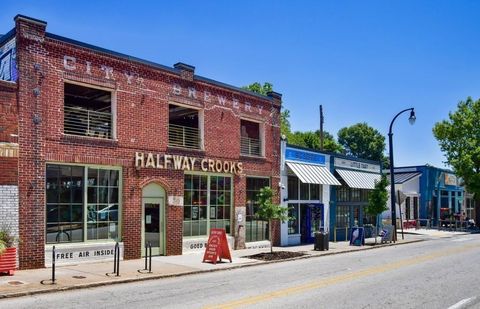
x: 312, y: 173
x: 359, y: 180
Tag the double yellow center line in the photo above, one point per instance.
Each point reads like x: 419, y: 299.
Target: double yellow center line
x: 343, y: 278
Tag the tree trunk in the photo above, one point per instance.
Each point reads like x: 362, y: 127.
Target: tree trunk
x: 270, y: 234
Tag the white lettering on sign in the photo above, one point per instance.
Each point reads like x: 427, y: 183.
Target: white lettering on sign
x: 192, y: 93
x: 206, y: 96
x: 108, y: 71
x: 221, y: 100
x: 339, y: 162
x: 89, y: 68
x: 69, y: 63
x: 185, y: 163
x: 129, y: 76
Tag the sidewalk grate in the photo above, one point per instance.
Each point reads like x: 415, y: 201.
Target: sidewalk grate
x: 15, y: 283
x: 79, y: 277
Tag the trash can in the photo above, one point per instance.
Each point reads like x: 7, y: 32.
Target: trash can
x: 321, y: 241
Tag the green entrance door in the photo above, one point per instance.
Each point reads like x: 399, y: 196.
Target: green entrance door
x: 153, y: 219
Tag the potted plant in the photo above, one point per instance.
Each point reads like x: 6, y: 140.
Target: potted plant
x: 8, y: 253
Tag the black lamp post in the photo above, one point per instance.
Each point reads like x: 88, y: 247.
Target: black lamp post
x: 411, y: 119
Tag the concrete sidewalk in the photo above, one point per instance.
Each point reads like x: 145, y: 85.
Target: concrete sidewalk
x: 27, y: 282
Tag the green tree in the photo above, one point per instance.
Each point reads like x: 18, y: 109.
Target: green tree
x: 459, y: 140
x: 311, y: 140
x: 362, y: 141
x: 269, y: 211
x: 377, y: 200
x: 284, y: 115
x: 259, y: 88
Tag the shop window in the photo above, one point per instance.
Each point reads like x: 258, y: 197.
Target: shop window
x: 415, y: 207
x: 207, y: 204
x: 342, y: 218
x: 184, y: 129
x: 64, y: 191
x: 294, y: 218
x: 343, y: 194
x: 407, y: 209
x: 292, y: 188
x: 102, y: 199
x: 88, y: 111
x: 250, y: 138
x: 255, y: 229
x: 69, y: 217
x: 315, y: 192
x: 304, y: 191
x: 356, y: 195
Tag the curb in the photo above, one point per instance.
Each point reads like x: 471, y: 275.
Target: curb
x: 196, y: 272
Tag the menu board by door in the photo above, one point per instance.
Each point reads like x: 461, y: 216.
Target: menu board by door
x: 217, y: 247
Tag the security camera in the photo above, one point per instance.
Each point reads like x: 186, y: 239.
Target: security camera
x: 281, y: 185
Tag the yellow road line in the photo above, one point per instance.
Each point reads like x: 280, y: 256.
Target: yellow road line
x: 342, y: 278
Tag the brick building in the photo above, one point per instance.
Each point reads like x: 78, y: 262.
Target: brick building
x: 98, y: 147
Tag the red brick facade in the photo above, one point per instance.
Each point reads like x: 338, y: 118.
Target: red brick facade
x: 142, y: 95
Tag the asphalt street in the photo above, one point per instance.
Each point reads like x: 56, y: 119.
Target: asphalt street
x: 437, y: 273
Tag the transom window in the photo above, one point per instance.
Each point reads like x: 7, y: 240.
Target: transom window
x: 87, y: 111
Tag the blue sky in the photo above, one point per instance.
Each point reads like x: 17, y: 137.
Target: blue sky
x: 363, y: 60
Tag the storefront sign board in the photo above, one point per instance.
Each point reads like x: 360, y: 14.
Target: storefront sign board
x: 357, y: 236
x: 217, y: 247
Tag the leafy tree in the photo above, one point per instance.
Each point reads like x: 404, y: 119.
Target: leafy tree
x: 269, y: 211
x: 311, y: 140
x: 259, y: 88
x: 377, y: 200
x: 284, y: 115
x: 459, y: 139
x: 362, y: 141
x: 285, y: 123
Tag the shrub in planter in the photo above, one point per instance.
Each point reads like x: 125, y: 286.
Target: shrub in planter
x: 8, y: 253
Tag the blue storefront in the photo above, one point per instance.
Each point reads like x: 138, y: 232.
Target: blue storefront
x: 440, y: 192
x: 306, y: 180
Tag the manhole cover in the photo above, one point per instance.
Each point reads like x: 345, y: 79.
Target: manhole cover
x: 15, y: 282
x: 79, y: 277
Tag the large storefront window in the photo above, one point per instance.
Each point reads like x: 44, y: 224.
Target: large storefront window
x: 256, y: 229
x: 342, y: 217
x: 82, y: 203
x: 298, y: 190
x: 102, y: 209
x: 294, y: 221
x: 207, y: 204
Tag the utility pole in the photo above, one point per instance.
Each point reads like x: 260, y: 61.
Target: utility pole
x: 321, y: 127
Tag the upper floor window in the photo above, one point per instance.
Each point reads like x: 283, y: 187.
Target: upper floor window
x: 184, y: 127
x: 88, y: 111
x: 250, y: 138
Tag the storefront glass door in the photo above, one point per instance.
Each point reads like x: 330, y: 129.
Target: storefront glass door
x: 153, y: 219
x: 152, y: 226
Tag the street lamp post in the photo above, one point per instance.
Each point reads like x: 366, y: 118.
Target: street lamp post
x: 411, y: 119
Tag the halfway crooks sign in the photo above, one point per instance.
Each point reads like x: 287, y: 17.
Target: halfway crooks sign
x: 185, y: 163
